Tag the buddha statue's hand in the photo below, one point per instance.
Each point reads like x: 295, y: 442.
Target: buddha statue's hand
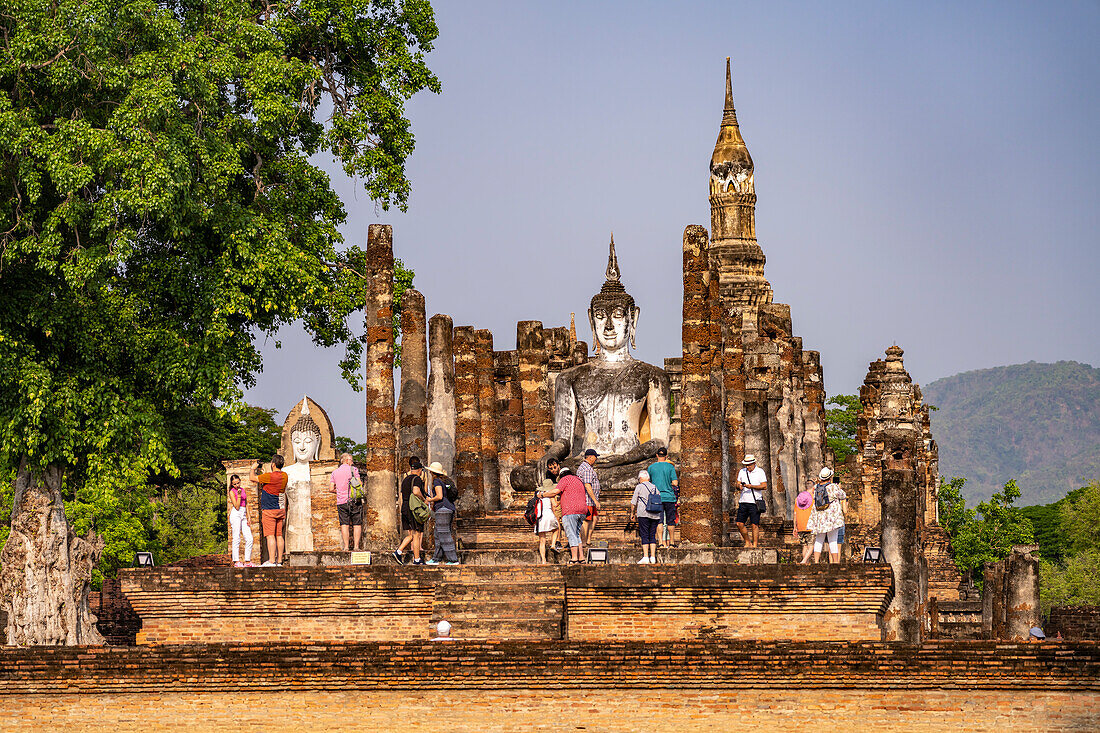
x: 641, y: 452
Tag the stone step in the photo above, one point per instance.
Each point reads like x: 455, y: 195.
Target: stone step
x: 494, y: 628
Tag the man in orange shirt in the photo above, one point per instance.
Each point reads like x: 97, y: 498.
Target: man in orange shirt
x: 272, y: 516
x: 803, y: 505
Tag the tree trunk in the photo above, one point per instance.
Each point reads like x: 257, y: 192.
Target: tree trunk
x: 44, y: 568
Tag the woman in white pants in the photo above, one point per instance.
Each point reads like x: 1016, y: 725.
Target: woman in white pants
x: 827, y: 515
x: 238, y: 520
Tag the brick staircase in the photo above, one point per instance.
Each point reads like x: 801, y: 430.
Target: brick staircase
x: 524, y: 603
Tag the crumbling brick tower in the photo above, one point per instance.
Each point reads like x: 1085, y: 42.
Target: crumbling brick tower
x: 767, y: 394
x: 890, y: 401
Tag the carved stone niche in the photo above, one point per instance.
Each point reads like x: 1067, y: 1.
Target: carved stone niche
x: 327, y: 451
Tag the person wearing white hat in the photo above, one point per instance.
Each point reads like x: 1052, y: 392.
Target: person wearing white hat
x: 444, y: 510
x: 752, y: 482
x: 827, y: 516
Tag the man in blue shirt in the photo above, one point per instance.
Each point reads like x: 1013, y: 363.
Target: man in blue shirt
x: 663, y: 475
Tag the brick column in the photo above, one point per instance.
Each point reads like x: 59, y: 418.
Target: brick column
x: 441, y: 393
x: 380, y: 517
x: 538, y: 427
x: 697, y: 480
x: 512, y: 455
x: 412, y: 438
x: 468, y: 473
x: 487, y: 406
x: 901, y: 546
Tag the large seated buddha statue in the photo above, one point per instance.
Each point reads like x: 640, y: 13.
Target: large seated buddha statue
x: 614, y: 403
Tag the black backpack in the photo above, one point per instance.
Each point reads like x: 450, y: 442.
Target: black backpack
x: 450, y: 490
x: 531, y: 512
x: 821, y: 497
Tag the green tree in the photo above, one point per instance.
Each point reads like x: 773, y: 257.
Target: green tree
x: 840, y: 425
x: 159, y: 212
x: 344, y: 444
x: 1075, y: 579
x: 986, y: 533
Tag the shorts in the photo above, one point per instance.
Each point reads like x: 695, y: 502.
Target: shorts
x: 273, y: 520
x: 593, y: 512
x: 408, y: 521
x: 668, y: 513
x: 572, y: 524
x: 350, y: 512
x: 749, y: 512
x: 805, y: 538
x: 647, y: 530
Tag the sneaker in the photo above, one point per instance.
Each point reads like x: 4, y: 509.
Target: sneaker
x: 268, y: 564
x: 238, y: 564
x: 452, y: 563
x: 397, y: 557
x: 644, y: 561
x: 418, y: 561
x: 432, y: 562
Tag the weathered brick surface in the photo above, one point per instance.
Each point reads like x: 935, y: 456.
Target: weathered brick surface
x: 576, y: 666
x: 690, y: 711
x: 361, y: 603
x: 1077, y: 623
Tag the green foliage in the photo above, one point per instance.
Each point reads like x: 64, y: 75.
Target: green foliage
x: 840, y: 425
x: 1074, y: 579
x: 1037, y: 423
x: 986, y: 533
x: 402, y: 281
x: 159, y: 211
x: 344, y: 444
x: 1075, y: 583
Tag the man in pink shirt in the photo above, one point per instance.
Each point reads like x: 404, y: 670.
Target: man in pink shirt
x: 350, y: 511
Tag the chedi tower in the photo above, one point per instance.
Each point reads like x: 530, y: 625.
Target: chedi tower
x: 760, y: 392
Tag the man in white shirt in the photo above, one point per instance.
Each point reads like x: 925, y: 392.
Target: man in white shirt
x: 752, y: 482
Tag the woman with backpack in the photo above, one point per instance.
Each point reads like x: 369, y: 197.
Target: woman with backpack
x: 646, y: 507
x: 441, y: 497
x: 827, y: 516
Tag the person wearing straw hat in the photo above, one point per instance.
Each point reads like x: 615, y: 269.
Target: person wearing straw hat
x: 752, y: 482
x: 444, y: 510
x: 546, y: 524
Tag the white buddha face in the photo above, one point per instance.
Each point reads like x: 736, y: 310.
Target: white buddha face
x: 306, y: 445
x: 612, y: 326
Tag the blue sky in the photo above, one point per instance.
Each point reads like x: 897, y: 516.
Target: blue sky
x: 927, y: 174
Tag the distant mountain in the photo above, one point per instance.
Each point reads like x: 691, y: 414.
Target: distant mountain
x: 1036, y: 423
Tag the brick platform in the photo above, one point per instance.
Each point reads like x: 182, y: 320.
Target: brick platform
x: 379, y: 603
x: 466, y: 665
x: 478, y: 711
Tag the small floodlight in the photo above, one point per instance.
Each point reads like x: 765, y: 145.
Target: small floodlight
x: 599, y: 553
x: 143, y: 559
x: 872, y: 555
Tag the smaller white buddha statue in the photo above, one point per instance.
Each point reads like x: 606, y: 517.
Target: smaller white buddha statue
x: 305, y: 441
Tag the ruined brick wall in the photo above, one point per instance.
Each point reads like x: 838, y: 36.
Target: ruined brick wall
x: 359, y: 603
x: 115, y: 617
x: 568, y: 666
x: 1075, y: 623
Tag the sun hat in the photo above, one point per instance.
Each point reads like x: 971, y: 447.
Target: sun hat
x: 443, y: 628
x: 750, y: 458
x: 436, y: 468
x: 804, y: 499
x: 1037, y: 633
x: 547, y: 483
x: 825, y: 473
x: 591, y: 452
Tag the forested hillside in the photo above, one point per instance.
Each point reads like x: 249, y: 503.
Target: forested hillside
x: 1036, y: 423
